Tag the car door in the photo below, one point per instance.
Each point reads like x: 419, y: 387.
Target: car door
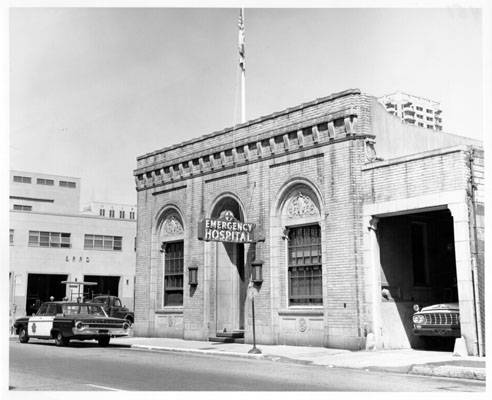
x: 40, y: 324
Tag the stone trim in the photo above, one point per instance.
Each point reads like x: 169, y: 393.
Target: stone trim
x: 413, y: 157
x: 302, y: 311
x: 256, y: 121
x: 170, y: 310
x: 148, y: 180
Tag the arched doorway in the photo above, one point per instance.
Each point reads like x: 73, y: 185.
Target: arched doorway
x: 231, y: 283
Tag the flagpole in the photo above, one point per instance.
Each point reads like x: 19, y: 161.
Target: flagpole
x: 243, y: 96
x: 242, y: 65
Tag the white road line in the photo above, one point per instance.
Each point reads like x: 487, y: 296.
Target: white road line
x: 104, y: 387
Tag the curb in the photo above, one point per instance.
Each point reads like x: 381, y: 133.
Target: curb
x: 449, y: 372
x: 198, y: 351
x: 438, y: 371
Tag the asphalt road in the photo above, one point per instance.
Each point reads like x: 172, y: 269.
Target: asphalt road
x: 83, y: 366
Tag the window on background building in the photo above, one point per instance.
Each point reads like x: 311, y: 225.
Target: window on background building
x: 420, y: 116
x: 49, y: 239
x: 11, y: 233
x: 111, y: 213
x: 22, y: 207
x: 101, y: 242
x: 430, y: 126
x: 22, y: 179
x: 428, y: 110
x: 305, y: 278
x: 421, y: 124
x: 173, y: 274
x: 67, y: 184
x: 132, y: 214
x: 429, y: 118
x: 419, y: 108
x: 122, y: 214
x: 48, y: 182
x: 102, y: 212
x: 418, y: 237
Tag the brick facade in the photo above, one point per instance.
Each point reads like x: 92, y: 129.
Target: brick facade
x: 317, y: 150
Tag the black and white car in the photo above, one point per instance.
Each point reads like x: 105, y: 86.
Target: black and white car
x: 63, y: 321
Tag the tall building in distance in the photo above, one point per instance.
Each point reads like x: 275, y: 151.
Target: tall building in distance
x: 52, y: 240
x: 413, y: 110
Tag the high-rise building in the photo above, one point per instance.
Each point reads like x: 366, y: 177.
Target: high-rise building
x: 413, y: 110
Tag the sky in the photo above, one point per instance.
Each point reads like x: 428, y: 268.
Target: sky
x: 91, y: 89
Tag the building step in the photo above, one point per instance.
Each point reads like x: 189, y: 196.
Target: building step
x: 231, y: 334
x: 226, y: 339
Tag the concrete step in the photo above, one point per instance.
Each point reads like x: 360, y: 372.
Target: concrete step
x: 231, y: 334
x: 226, y: 339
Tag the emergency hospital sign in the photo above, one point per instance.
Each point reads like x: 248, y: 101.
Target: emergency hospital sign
x: 227, y: 229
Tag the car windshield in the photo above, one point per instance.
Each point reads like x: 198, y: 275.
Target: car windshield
x: 86, y: 309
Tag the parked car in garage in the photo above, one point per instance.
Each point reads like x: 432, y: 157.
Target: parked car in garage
x: 64, y: 321
x: 437, y: 320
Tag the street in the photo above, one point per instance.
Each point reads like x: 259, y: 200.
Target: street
x: 84, y: 366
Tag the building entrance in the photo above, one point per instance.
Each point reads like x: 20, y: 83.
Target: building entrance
x: 105, y: 285
x: 231, y: 285
x: 418, y: 267
x: 40, y: 287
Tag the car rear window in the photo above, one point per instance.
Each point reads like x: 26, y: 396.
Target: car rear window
x: 85, y: 309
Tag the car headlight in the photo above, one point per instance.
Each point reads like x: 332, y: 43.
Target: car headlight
x: 79, y: 325
x: 418, y: 319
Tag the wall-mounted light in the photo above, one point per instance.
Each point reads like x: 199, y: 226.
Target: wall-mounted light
x: 256, y: 271
x: 193, y: 275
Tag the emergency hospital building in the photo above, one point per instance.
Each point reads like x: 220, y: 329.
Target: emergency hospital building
x: 52, y: 241
x: 334, y: 215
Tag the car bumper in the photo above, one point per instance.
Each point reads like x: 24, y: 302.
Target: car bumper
x: 90, y: 333
x: 436, y: 330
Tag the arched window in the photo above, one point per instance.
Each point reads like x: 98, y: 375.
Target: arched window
x: 298, y: 220
x: 172, y: 248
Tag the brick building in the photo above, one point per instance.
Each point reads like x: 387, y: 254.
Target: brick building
x: 347, y: 204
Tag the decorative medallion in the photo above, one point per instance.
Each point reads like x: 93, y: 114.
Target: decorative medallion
x: 33, y: 328
x: 172, y: 226
x: 302, y: 325
x: 301, y: 205
x: 227, y: 215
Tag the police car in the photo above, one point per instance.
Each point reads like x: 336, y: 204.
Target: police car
x: 63, y: 321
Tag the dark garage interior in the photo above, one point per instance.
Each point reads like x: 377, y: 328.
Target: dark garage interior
x: 40, y: 287
x: 417, y: 267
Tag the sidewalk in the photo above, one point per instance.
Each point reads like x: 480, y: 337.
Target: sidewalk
x: 409, y: 361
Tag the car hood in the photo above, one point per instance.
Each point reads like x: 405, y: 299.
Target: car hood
x: 442, y: 306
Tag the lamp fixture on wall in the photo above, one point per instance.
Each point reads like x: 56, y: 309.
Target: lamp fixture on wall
x: 256, y: 271
x: 193, y: 275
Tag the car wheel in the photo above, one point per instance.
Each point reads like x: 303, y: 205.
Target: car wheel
x: 23, y: 338
x: 103, y: 341
x: 60, y: 340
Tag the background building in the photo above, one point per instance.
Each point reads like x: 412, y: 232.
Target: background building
x: 357, y: 217
x: 413, y: 110
x: 52, y: 241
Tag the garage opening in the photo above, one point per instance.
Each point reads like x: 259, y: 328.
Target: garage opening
x: 105, y: 285
x: 418, y: 267
x: 40, y: 287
